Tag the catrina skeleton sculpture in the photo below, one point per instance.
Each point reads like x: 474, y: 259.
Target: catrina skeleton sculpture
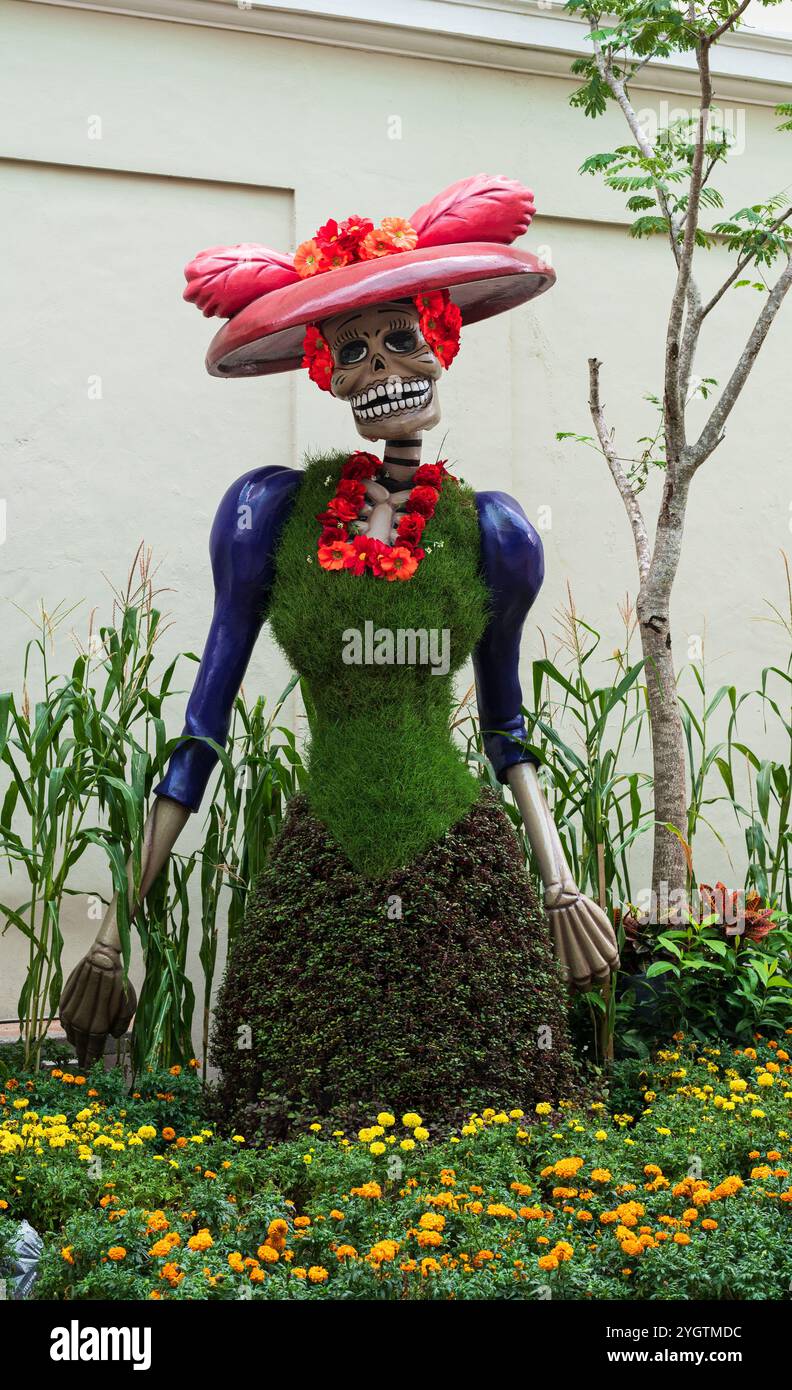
x: 375, y: 314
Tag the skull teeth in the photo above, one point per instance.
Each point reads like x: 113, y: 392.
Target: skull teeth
x: 386, y: 398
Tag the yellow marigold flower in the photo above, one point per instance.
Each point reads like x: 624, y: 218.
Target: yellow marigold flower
x: 498, y: 1209
x: 301, y: 1222
x: 317, y: 1274
x: 147, y: 1132
x: 600, y: 1175
x: 237, y: 1138
x: 116, y: 1253
x: 236, y: 1262
x: 377, y: 1148
x: 407, y: 1145
x: 300, y: 1273
x: 386, y: 1119
x: 543, y: 1108
x: 336, y: 1214
x: 67, y: 1254
x: 761, y: 1172
x: 516, y: 1114
x: 765, y: 1079
x: 411, y: 1120
x: 429, y: 1266
x: 420, y: 1133
x: 315, y: 1128
x: 346, y: 1252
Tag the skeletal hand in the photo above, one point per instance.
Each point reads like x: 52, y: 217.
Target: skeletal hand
x: 96, y: 1003
x: 584, y: 938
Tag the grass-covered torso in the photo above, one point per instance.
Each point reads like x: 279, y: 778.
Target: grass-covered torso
x: 384, y: 774
x: 393, y: 953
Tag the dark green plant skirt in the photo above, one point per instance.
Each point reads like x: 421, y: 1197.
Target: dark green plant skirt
x: 434, y: 989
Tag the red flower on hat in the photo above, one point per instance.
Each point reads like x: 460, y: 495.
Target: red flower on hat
x: 318, y: 358
x: 392, y: 235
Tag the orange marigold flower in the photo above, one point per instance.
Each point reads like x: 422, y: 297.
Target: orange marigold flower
x: 317, y: 1274
x: 547, y: 1262
x: 201, y: 1241
x: 168, y: 1133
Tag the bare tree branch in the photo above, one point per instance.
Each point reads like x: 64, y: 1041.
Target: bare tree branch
x: 631, y: 504
x: 679, y: 356
x: 711, y: 435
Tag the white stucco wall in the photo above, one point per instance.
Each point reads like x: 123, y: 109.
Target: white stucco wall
x: 211, y: 135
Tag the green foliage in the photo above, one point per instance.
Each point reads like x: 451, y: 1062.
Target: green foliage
x: 674, y: 1184
x: 80, y: 768
x: 382, y: 770
x: 429, y: 988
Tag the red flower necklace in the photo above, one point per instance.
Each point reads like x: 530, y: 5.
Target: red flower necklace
x: 365, y: 554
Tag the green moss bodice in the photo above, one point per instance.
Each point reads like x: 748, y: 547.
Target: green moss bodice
x: 384, y: 773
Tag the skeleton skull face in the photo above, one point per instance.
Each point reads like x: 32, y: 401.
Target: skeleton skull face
x: 384, y: 367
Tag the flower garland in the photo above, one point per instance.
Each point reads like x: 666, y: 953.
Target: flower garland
x: 365, y: 554
x: 357, y: 239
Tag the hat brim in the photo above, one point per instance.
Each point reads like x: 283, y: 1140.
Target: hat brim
x: 483, y: 278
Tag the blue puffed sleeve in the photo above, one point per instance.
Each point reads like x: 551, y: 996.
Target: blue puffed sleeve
x: 512, y: 564
x: 242, y: 547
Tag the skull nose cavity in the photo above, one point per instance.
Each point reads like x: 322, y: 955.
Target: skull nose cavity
x: 377, y: 363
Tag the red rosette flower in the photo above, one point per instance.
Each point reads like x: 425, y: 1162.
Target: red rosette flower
x: 352, y: 490
x: 317, y: 357
x: 331, y: 534
x: 352, y: 232
x: 361, y: 465
x: 364, y: 554
x: 422, y: 500
x: 342, y: 508
x: 429, y: 474
x: 410, y: 528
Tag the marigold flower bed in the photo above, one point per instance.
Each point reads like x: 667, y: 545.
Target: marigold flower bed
x: 675, y: 1185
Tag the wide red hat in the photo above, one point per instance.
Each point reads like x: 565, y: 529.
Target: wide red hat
x: 459, y: 242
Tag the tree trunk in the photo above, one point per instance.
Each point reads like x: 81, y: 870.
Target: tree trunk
x: 669, y: 866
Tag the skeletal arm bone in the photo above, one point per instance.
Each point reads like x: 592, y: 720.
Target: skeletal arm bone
x: 584, y: 939
x: 96, y: 1001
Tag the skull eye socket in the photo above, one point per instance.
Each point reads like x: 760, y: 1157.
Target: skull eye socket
x: 401, y: 340
x: 352, y: 353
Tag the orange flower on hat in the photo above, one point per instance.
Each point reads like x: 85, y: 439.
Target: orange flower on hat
x: 393, y: 234
x: 308, y: 259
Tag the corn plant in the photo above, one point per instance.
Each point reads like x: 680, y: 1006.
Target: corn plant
x: 257, y: 776
x: 80, y: 763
